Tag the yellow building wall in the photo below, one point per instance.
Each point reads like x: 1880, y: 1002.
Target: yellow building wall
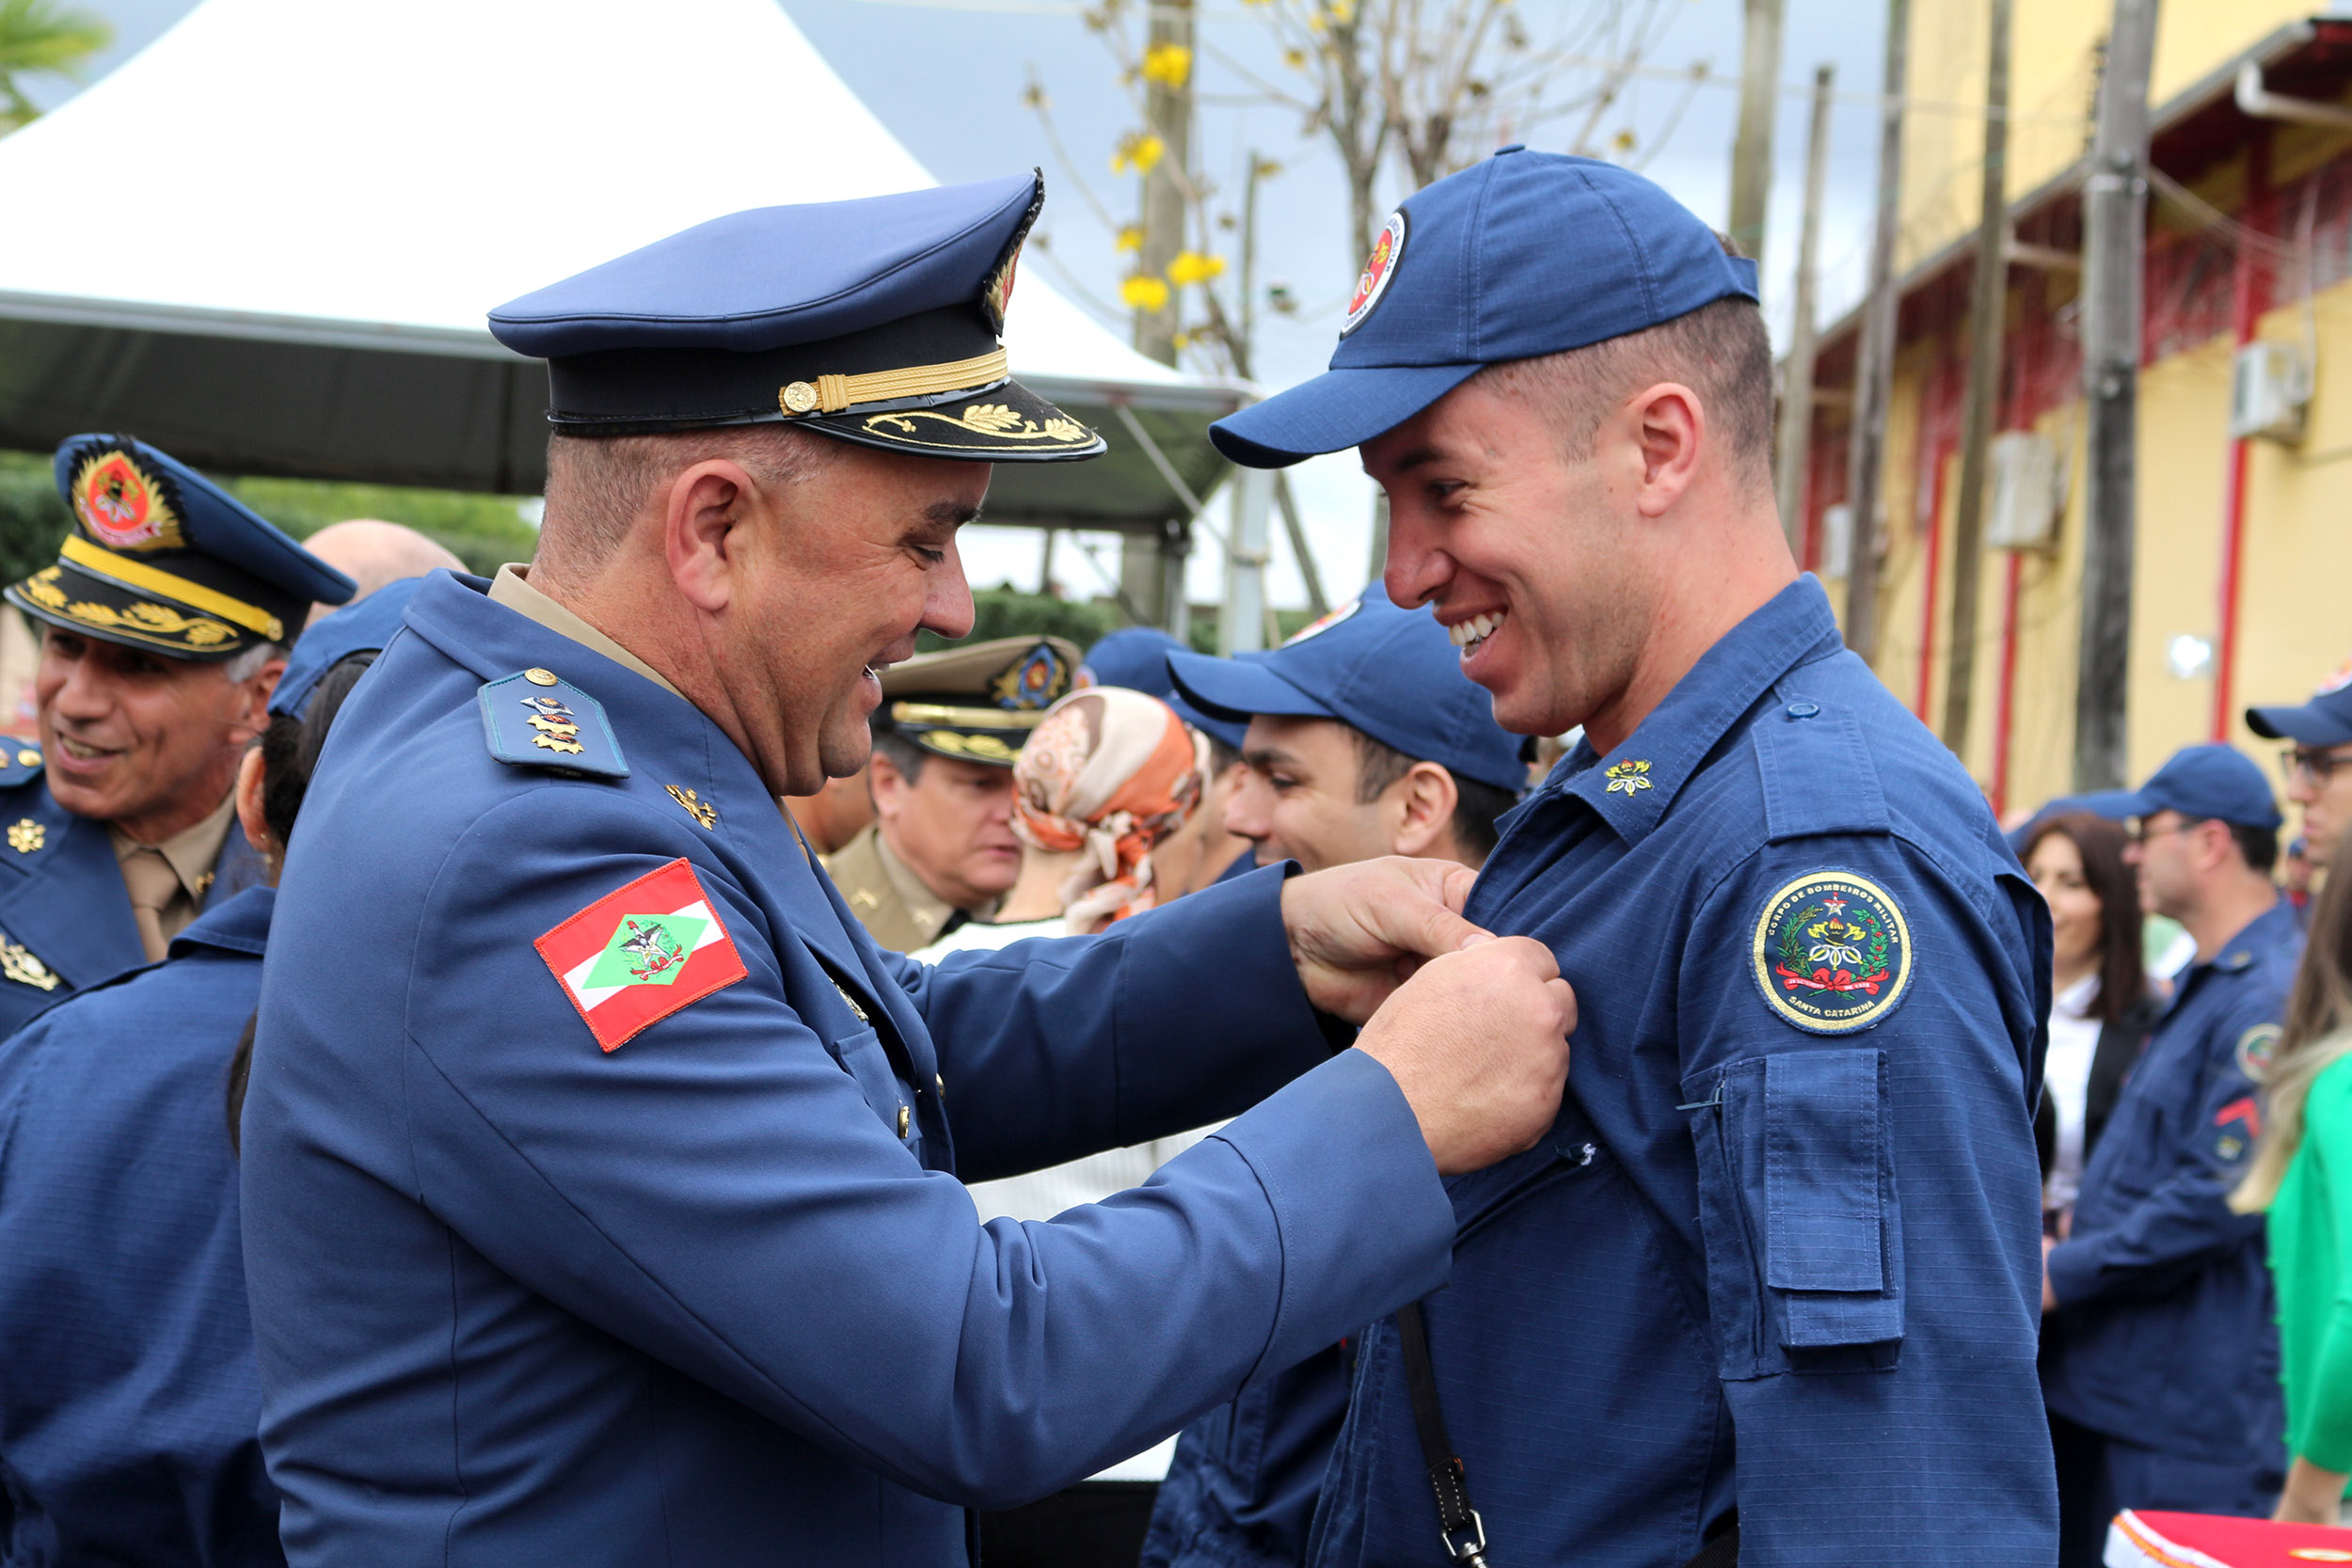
x: 2294, y: 625
x: 2052, y: 76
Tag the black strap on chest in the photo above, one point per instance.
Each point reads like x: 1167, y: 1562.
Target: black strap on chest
x: 1458, y: 1523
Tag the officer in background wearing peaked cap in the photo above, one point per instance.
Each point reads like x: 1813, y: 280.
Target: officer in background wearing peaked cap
x: 1767, y: 1289
x: 600, y: 1184
x: 166, y: 621
x: 941, y: 848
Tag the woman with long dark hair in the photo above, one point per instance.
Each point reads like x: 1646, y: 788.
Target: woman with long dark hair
x: 2100, y: 1010
x: 2302, y: 1175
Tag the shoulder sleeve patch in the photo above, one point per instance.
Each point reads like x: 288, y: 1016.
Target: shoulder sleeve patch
x: 2255, y: 1048
x: 641, y: 952
x: 1832, y: 953
x: 533, y: 719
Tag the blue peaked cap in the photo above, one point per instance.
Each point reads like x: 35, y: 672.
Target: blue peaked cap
x: 2209, y: 781
x: 1136, y: 659
x: 1393, y: 673
x: 363, y: 627
x: 1523, y: 255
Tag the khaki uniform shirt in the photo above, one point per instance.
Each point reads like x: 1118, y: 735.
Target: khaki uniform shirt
x: 512, y: 587
x: 888, y: 898
x: 192, y: 853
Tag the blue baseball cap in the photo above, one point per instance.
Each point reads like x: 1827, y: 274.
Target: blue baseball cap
x: 1136, y: 659
x: 161, y: 558
x: 1393, y: 673
x: 367, y: 626
x: 2210, y: 780
x: 1523, y: 255
x: 2325, y: 720
x: 876, y: 321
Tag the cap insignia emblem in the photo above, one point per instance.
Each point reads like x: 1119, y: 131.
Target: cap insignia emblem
x: 1832, y: 953
x: 1378, y: 268
x: 19, y: 965
x: 1627, y: 776
x: 27, y: 835
x: 1036, y: 680
x: 998, y: 299
x: 122, y: 506
x: 1316, y: 628
x: 2337, y: 682
x: 701, y: 811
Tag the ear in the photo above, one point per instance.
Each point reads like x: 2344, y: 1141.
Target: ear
x: 1668, y: 427
x: 702, y: 537
x: 1428, y: 795
x: 252, y: 775
x: 886, y: 783
x: 249, y: 708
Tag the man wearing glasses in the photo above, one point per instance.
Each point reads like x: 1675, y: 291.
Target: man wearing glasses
x: 2320, y: 761
x: 2160, y: 1356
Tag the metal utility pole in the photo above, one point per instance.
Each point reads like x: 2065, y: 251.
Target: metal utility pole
x: 1874, y: 367
x: 1752, y: 148
x: 1796, y: 395
x: 1144, y: 570
x: 1988, y: 307
x: 2115, y: 213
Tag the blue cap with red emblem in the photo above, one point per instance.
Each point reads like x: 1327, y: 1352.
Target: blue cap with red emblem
x: 978, y: 702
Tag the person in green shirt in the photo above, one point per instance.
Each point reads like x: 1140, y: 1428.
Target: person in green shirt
x: 2302, y: 1175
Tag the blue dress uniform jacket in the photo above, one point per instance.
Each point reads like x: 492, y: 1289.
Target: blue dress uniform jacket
x: 714, y: 1296
x: 1754, y: 1263
x: 1241, y: 1489
x: 65, y: 915
x: 128, y: 1397
x: 2167, y: 1333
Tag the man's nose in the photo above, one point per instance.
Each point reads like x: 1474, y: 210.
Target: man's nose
x: 85, y: 694
x: 1245, y: 814
x: 1416, y: 570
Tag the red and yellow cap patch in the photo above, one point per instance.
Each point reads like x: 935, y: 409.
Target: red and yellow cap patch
x: 122, y: 506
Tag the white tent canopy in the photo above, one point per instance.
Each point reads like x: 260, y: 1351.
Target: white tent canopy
x: 267, y: 241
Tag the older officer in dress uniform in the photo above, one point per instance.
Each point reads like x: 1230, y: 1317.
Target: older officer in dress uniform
x: 168, y: 615
x: 129, y: 1404
x: 941, y: 848
x: 2163, y: 1372
x: 599, y: 1170
x: 1778, y: 1260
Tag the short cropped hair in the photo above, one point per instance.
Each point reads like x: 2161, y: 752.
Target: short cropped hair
x: 904, y: 754
x: 596, y: 484
x: 2260, y: 845
x: 1720, y: 351
x: 1477, y: 806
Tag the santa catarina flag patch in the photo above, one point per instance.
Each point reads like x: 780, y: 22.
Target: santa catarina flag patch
x: 641, y: 952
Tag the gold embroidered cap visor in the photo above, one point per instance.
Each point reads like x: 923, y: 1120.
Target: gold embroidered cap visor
x: 936, y: 384
x: 978, y: 702
x: 179, y: 603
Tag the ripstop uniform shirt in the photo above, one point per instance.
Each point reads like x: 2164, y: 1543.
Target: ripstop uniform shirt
x: 2167, y: 1337
x: 128, y: 1396
x: 1781, y: 1249
x: 601, y: 1201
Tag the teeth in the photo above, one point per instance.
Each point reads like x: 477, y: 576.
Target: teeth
x: 76, y: 749
x: 1469, y: 634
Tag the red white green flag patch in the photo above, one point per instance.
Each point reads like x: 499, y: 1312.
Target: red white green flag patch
x: 641, y: 952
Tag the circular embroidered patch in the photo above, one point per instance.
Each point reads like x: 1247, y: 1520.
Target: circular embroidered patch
x: 1833, y: 954
x: 1316, y: 628
x: 121, y: 504
x: 2255, y: 1048
x: 1378, y: 268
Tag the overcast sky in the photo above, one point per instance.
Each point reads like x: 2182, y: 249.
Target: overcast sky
x: 947, y: 75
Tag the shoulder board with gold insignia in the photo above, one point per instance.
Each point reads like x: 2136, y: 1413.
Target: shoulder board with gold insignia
x: 19, y: 762
x: 538, y: 719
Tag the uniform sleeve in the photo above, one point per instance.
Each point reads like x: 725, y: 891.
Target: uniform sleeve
x: 2184, y: 1222
x: 717, y: 1192
x: 1860, y: 1033
x: 1169, y: 1021
x: 2325, y: 1434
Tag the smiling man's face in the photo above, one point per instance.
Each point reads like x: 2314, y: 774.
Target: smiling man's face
x: 146, y: 743
x: 1529, y: 555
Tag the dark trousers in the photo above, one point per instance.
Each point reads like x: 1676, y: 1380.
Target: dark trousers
x: 2099, y: 1476
x: 1095, y: 1524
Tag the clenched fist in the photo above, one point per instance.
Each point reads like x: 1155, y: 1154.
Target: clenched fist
x: 1478, y: 1040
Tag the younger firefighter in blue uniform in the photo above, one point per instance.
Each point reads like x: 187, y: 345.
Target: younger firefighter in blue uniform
x: 165, y: 617
x: 600, y: 1172
x: 129, y: 1403
x: 2163, y: 1378
x: 1770, y: 1276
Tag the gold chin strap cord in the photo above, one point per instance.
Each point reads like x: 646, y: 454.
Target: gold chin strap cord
x: 831, y: 394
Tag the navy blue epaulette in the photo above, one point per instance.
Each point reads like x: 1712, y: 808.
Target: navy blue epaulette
x: 19, y: 762
x: 537, y: 720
